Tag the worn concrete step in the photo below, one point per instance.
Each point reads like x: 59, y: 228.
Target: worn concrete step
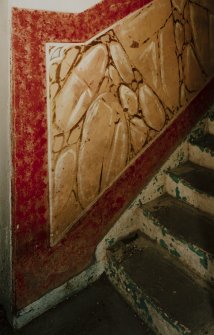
x: 98, y: 309
x: 193, y: 184
x: 169, y: 299
x: 186, y: 232
x: 201, y: 151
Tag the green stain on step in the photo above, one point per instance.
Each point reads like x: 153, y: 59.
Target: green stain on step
x: 160, y: 189
x: 204, y: 262
x: 201, y: 254
x: 163, y: 244
x: 174, y: 253
x: 164, y: 231
x: 181, y: 157
x: 138, y: 298
x: 178, y: 195
x: 110, y: 241
x: 175, y: 178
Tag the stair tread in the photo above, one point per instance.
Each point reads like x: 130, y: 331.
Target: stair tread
x: 98, y: 309
x: 206, y: 141
x: 164, y: 281
x: 201, y: 178
x: 184, y: 221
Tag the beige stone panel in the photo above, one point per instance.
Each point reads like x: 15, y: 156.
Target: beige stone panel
x: 95, y: 58
x: 186, y: 12
x: 105, y: 86
x: 97, y: 136
x: 53, y: 71
x: 183, y: 95
x: 129, y: 100
x: 64, y: 179
x: 134, y: 85
x: 70, y: 212
x: 149, y: 66
x: 179, y: 36
x: 80, y: 87
x: 137, y: 75
x: 169, y: 63
x: 200, y: 27
x: 177, y: 16
x: 105, y: 38
x: 58, y: 143
x: 179, y: 4
x: 188, y: 32
x: 75, y: 134
x: 53, y: 90
x: 209, y: 4
x: 115, y: 161
x: 114, y: 75
x: 121, y: 62
x: 136, y: 29
x: 152, y: 109
x: 180, y: 68
x: 193, y: 75
x: 139, y: 134
x: 72, y: 101
x: 68, y: 61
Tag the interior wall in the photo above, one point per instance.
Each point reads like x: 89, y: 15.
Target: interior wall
x: 32, y: 30
x: 5, y: 163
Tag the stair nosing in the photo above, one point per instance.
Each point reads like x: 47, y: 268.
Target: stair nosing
x: 181, y: 180
x: 175, y: 235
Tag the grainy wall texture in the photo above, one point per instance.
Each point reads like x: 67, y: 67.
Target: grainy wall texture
x: 118, y: 103
x: 111, y: 96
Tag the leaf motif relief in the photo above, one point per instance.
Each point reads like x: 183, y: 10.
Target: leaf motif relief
x: 152, y: 109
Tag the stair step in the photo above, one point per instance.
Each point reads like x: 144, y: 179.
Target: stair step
x: 183, y: 230
x: 158, y: 288
x: 201, y: 151
x: 193, y: 184
x: 98, y: 309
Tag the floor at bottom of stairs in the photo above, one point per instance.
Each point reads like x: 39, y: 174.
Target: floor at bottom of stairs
x: 97, y: 310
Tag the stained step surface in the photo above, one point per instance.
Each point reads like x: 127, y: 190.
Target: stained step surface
x: 97, y: 310
x: 198, y: 177
x: 183, y: 221
x: 173, y: 291
x: 201, y: 151
x: 206, y: 141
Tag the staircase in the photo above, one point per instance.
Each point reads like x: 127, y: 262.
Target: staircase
x: 165, y: 268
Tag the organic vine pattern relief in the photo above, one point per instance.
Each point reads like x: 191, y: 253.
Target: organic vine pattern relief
x: 109, y: 97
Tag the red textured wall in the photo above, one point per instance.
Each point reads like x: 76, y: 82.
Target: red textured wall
x: 37, y: 267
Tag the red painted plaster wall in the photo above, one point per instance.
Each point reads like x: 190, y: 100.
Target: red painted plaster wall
x: 38, y: 268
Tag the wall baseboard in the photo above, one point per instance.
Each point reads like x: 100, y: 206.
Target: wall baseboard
x: 58, y: 295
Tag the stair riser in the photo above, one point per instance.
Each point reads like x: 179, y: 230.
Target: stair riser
x: 195, y: 258
x: 183, y: 191
x: 144, y: 308
x: 201, y: 157
x: 210, y: 126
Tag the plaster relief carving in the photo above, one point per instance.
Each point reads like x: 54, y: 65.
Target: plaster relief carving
x: 109, y: 97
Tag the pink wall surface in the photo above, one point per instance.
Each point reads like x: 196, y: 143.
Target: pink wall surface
x: 38, y: 267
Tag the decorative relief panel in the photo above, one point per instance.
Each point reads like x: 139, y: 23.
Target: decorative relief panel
x: 109, y: 97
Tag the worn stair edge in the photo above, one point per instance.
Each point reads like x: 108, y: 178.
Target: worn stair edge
x: 201, y: 155
x: 145, y: 307
x: 210, y: 125
x: 142, y: 304
x: 197, y: 259
x: 179, y: 188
